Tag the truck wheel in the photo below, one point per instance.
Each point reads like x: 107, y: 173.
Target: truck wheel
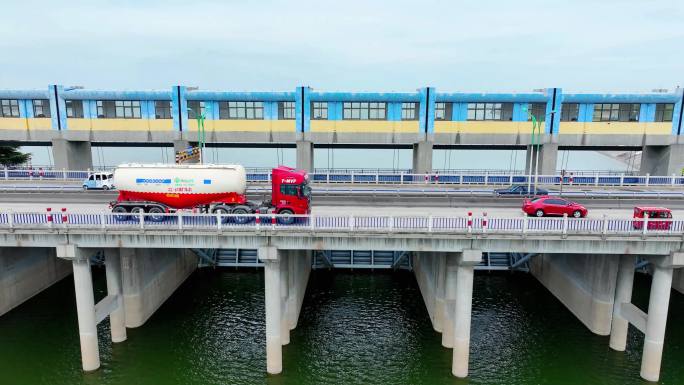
x: 156, y: 214
x: 118, y: 213
x: 286, y: 219
x: 241, y: 220
x: 224, y: 213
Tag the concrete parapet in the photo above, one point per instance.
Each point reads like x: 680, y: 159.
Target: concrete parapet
x: 585, y: 284
x: 26, y: 271
x: 149, y: 277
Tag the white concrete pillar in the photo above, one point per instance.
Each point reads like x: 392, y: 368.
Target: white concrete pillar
x: 274, y: 348
x: 654, y: 339
x: 305, y: 155
x: 294, y: 275
x: 117, y: 318
x: 623, y: 294
x: 450, y: 294
x: 440, y: 286
x: 284, y: 294
x: 422, y: 157
x: 466, y: 261
x: 85, y: 307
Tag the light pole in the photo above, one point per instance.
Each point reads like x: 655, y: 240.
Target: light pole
x: 200, y: 133
x: 532, y: 153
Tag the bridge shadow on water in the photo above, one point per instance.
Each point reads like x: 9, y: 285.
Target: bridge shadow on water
x: 354, y: 328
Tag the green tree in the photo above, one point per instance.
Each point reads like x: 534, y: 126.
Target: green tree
x: 10, y: 156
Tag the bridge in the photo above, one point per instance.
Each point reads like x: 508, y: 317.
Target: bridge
x: 72, y: 120
x: 587, y: 263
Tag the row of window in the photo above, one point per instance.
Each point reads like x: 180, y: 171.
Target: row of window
x: 130, y: 109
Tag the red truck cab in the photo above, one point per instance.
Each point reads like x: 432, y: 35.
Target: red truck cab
x: 290, y: 190
x: 659, y: 218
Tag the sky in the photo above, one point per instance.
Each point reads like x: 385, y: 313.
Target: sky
x: 455, y: 46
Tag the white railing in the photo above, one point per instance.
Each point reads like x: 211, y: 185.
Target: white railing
x: 182, y: 221
x: 401, y: 178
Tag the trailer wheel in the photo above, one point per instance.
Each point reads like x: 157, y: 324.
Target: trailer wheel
x: 118, y: 213
x: 241, y: 211
x: 286, y: 219
x: 224, y: 211
x: 156, y: 214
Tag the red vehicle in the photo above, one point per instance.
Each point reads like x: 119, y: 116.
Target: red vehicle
x: 659, y: 218
x: 218, y: 189
x: 546, y: 205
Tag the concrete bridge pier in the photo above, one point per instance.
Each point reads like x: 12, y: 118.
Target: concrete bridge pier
x: 305, y: 155
x: 26, y: 271
x: 662, y: 160
x: 72, y: 155
x: 149, y: 278
x: 450, y: 293
x: 466, y: 261
x: 422, y: 157
x: 89, y: 313
x: 286, y: 273
x: 548, y: 157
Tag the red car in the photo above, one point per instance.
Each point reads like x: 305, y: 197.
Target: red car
x: 660, y: 218
x: 541, y: 206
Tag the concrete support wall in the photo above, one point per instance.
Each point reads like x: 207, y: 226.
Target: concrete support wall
x: 305, y: 155
x: 548, y: 156
x: 585, y: 284
x: 26, y: 271
x: 662, y: 160
x: 422, y: 157
x: 149, y: 277
x: 72, y: 155
x: 678, y: 280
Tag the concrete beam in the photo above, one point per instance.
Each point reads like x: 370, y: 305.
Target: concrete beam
x: 149, y: 278
x: 547, y: 157
x: 422, y: 157
x: 585, y: 284
x: 662, y: 160
x: 72, y: 155
x: 305, y: 155
x: 25, y: 272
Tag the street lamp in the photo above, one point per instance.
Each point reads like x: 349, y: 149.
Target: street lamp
x: 200, y: 133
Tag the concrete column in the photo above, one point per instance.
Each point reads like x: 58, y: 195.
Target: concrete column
x: 85, y: 307
x: 440, y: 292
x: 463, y: 308
x: 678, y: 280
x: 293, y: 289
x: 623, y: 294
x: 305, y: 155
x: 662, y: 160
x: 274, y: 347
x: 72, y: 155
x: 422, y: 157
x: 117, y: 318
x: 548, y: 156
x: 658, y: 304
x: 284, y: 297
x: 450, y: 294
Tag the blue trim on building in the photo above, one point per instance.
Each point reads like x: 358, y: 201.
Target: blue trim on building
x: 26, y: 108
x: 270, y: 110
x: 78, y: 94
x: 302, y: 109
x: 519, y: 112
x: 432, y: 96
x: 620, y: 98
x: 647, y: 112
x: 364, y: 97
x: 241, y: 96
x: 57, y: 107
x: 553, y: 110
x: 677, y: 118
x: 24, y: 94
x: 180, y: 116
x: 459, y: 112
x: 491, y: 98
x: 89, y: 109
x: 586, y: 112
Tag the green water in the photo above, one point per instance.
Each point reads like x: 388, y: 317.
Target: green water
x: 355, y: 328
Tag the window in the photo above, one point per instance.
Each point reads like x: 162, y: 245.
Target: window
x: 364, y: 111
x: 288, y: 189
x: 9, y: 108
x: 409, y: 111
x: 162, y: 109
x: 538, y: 110
x: 443, y: 111
x: 319, y: 110
x: 569, y: 112
x: 74, y: 108
x: 614, y: 112
x: 41, y: 108
x: 118, y: 109
x: 490, y: 111
x: 195, y: 107
x: 664, y: 112
x: 241, y: 110
x: 286, y: 110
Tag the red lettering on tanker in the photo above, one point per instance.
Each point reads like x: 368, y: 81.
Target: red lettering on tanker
x: 179, y: 189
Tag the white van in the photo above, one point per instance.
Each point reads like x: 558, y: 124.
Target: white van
x: 99, y: 180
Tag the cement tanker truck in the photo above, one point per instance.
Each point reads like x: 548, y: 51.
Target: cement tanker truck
x: 161, y: 188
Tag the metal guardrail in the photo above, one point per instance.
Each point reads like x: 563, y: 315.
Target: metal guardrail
x: 212, y: 223
x: 497, y: 179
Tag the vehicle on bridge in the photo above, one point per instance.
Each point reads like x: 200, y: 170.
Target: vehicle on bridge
x: 219, y: 189
x: 543, y: 206
x: 520, y: 190
x: 661, y: 218
x: 99, y: 180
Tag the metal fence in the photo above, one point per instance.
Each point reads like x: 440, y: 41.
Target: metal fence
x: 405, y: 178
x: 180, y: 221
